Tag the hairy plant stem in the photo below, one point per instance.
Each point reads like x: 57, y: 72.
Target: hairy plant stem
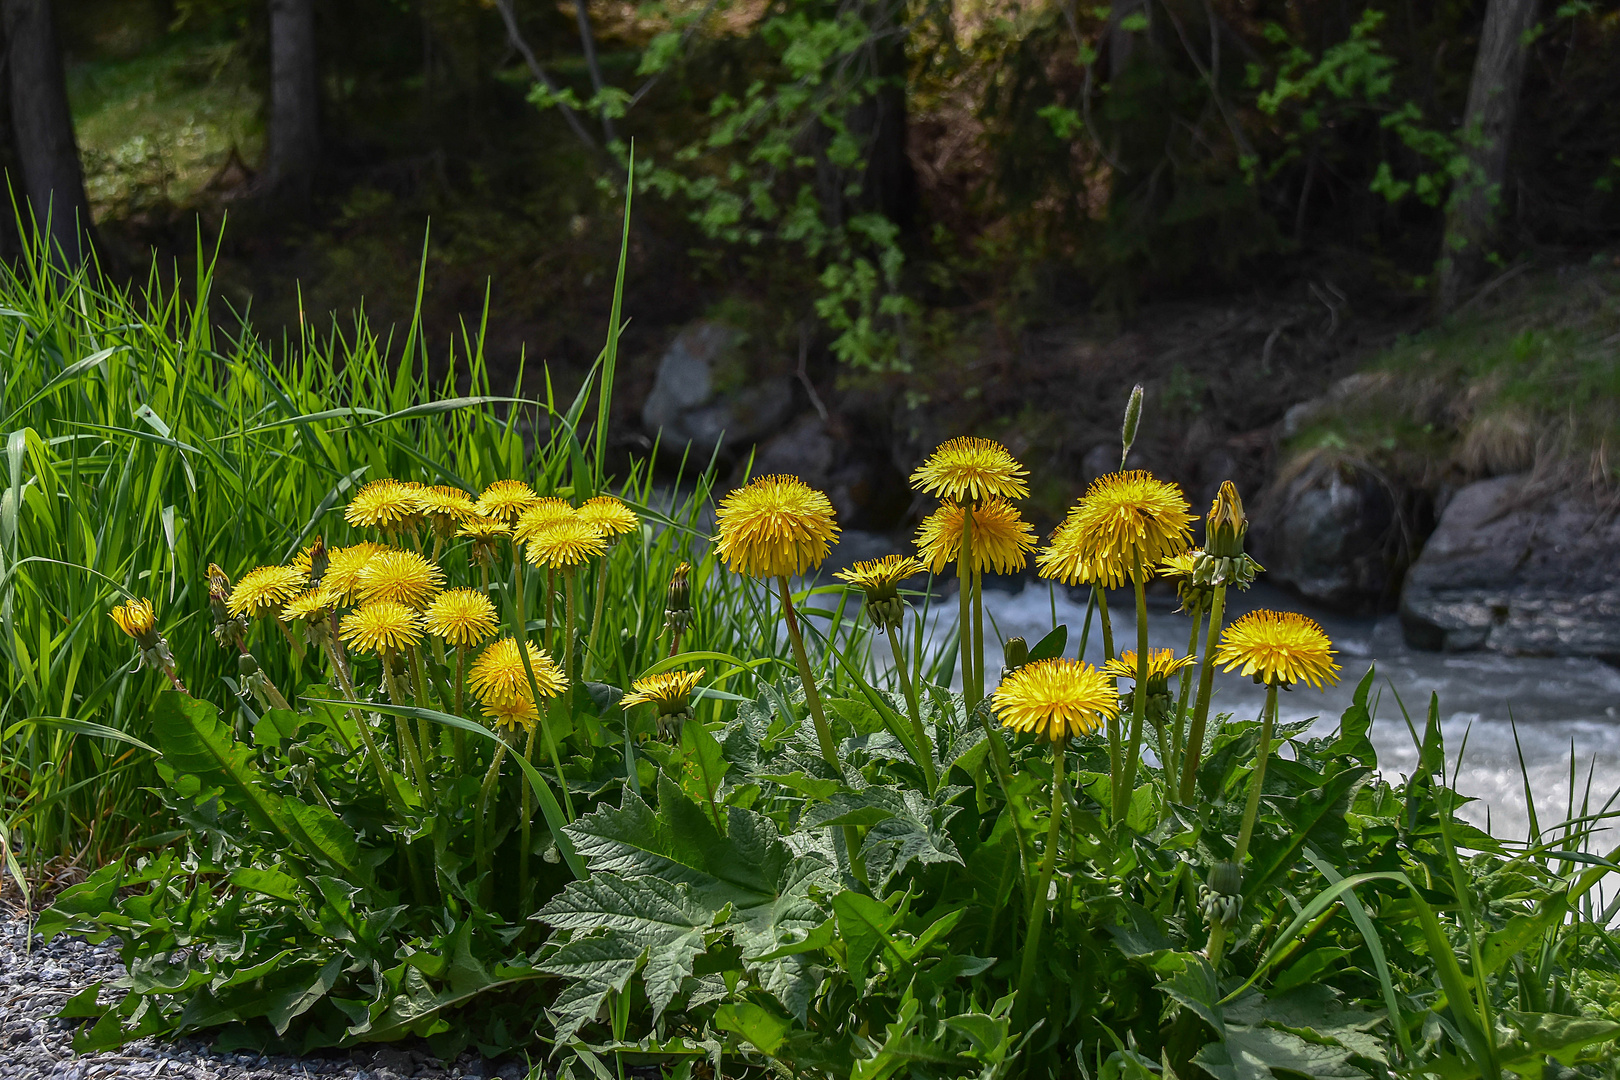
x: 978, y: 635
x: 924, y: 743
x: 528, y: 812
x: 522, y: 637
x: 481, y: 820
x: 1251, y: 810
x: 402, y: 727
x: 1172, y: 767
x: 344, y: 685
x: 424, y: 732
x: 569, y: 614
x: 1133, y: 750
x: 596, y: 615
x: 459, y: 737
x: 1107, y: 624
x: 1206, y: 683
x: 551, y: 625
x: 964, y: 593
x: 812, y: 701
x: 1043, y: 884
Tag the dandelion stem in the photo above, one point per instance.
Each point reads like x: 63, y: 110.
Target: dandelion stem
x: 459, y: 737
x: 978, y: 635
x: 569, y: 615
x: 1257, y: 778
x: 812, y: 698
x: 1172, y: 768
x: 551, y: 625
x: 1206, y: 682
x: 924, y: 743
x: 1037, y: 913
x: 402, y: 726
x: 424, y: 733
x: 521, y: 636
x: 528, y: 812
x: 491, y: 778
x: 596, y: 615
x: 1133, y: 751
x: 964, y: 592
x: 1107, y: 623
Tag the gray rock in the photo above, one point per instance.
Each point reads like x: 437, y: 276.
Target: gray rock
x: 703, y: 394
x: 1330, y: 529
x: 1507, y: 574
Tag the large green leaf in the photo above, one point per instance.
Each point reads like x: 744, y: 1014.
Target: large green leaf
x: 195, y: 742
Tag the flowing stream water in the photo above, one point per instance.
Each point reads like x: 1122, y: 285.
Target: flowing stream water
x: 1566, y: 711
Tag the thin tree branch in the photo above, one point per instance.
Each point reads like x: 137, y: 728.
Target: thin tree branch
x: 516, y: 38
x: 686, y: 37
x: 587, y: 42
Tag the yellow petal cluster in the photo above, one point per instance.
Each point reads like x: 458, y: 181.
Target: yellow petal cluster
x: 518, y: 715
x: 506, y: 499
x: 1280, y: 647
x: 462, y: 617
x: 610, y: 515
x: 383, y: 504
x: 401, y: 576
x: 1123, y: 517
x: 264, y: 589
x: 564, y: 543
x: 671, y: 691
x: 880, y: 578
x: 970, y: 470
x: 1054, y: 699
x: 1002, y: 539
x: 542, y: 514
x: 383, y: 626
x: 311, y: 606
x: 342, y: 581
x: 135, y: 618
x: 1162, y: 663
x: 775, y: 526
x: 497, y: 676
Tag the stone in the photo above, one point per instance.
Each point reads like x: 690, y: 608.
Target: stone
x: 1512, y: 574
x: 703, y: 393
x: 805, y: 448
x: 1330, y: 529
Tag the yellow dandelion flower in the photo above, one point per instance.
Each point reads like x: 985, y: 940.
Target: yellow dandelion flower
x: 1002, y: 539
x: 383, y: 504
x: 671, y: 691
x: 1123, y: 516
x: 518, y: 715
x: 461, y: 617
x: 506, y: 499
x: 311, y: 606
x: 1162, y: 663
x: 880, y: 578
x: 971, y: 470
x: 401, y: 576
x: 498, y: 676
x: 543, y: 513
x: 610, y: 515
x: 447, y: 507
x: 381, y: 626
x: 135, y: 618
x: 1055, y: 699
x: 775, y: 526
x: 1178, y: 567
x: 342, y: 579
x: 483, y: 529
x: 1279, y: 647
x: 263, y: 589
x: 564, y: 543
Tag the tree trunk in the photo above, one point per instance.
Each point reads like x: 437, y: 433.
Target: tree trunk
x: 884, y: 177
x: 1487, y: 136
x: 42, y: 128
x: 294, y: 103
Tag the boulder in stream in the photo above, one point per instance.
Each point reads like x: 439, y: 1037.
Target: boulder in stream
x: 1513, y: 574
x: 706, y: 391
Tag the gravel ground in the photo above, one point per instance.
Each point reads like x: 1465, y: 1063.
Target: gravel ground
x: 34, y: 1045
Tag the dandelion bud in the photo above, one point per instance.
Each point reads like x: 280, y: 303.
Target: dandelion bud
x: 318, y: 560
x: 1014, y: 655
x: 246, y: 665
x: 1133, y: 419
x: 678, y: 600
x: 1228, y: 525
x: 1221, y: 900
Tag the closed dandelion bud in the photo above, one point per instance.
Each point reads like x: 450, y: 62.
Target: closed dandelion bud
x: 1014, y: 655
x: 1227, y: 524
x: 246, y: 665
x: 1133, y: 420
x: 678, y: 601
x: 318, y: 560
x: 879, y: 580
x: 1226, y: 878
x: 1220, y: 900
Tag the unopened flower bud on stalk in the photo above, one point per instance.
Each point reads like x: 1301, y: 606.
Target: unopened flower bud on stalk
x: 1133, y: 420
x: 1014, y: 655
x: 1223, y: 560
x: 318, y: 560
x: 1221, y: 900
x: 678, y: 601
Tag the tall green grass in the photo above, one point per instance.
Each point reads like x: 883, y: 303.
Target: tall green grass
x: 141, y: 444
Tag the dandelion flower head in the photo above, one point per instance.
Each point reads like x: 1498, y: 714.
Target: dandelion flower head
x: 263, y: 589
x: 1002, y: 539
x: 385, y: 625
x: 610, y: 515
x: 447, y: 507
x: 880, y: 578
x: 461, y: 617
x: 498, y: 676
x: 564, y: 543
x: 506, y: 499
x: 1055, y: 699
x: 383, y: 504
x: 310, y: 606
x: 341, y: 582
x: 775, y: 526
x: 1123, y: 517
x: 1162, y: 663
x: 671, y: 691
x: 135, y: 618
x: 402, y: 576
x: 1280, y: 647
x: 968, y: 469
x: 520, y: 714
